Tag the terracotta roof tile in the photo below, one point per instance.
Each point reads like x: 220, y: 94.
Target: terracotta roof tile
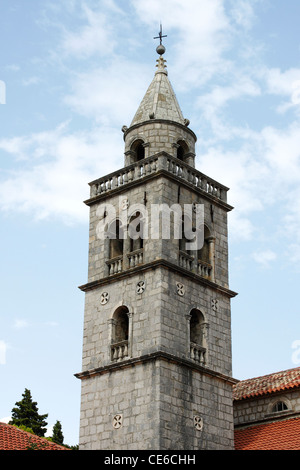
x: 12, y: 438
x: 279, y: 435
x: 267, y: 384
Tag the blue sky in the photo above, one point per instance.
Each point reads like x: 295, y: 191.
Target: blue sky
x: 75, y: 73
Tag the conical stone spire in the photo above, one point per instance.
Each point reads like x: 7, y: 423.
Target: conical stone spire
x: 160, y: 101
x: 159, y: 125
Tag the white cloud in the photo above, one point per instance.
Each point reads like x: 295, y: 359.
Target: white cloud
x: 242, y: 12
x: 203, y: 32
x: 13, y: 68
x: 263, y: 174
x: 213, y: 106
x: 31, y: 81
x: 240, y: 227
x: 2, y: 92
x: 6, y: 419
x: 282, y: 152
x: 110, y: 95
x: 198, y: 22
x: 284, y: 84
x: 54, y: 168
x: 264, y: 258
x: 93, y: 28
x: 20, y: 324
x: 3, y: 350
x: 52, y: 324
x: 262, y: 167
x: 281, y: 82
x: 201, y: 28
x: 242, y: 86
x: 94, y: 37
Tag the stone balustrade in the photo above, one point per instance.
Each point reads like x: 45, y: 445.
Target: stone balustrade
x: 201, y: 268
x: 135, y: 258
x: 152, y: 165
x: 204, y: 269
x: 197, y: 353
x: 115, y: 265
x: 186, y: 261
x: 124, y: 176
x: 119, y: 351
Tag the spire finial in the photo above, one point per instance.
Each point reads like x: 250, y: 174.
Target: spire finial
x: 160, y: 49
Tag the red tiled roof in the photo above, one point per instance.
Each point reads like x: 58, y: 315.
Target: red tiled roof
x: 279, y: 435
x: 267, y: 384
x: 12, y: 438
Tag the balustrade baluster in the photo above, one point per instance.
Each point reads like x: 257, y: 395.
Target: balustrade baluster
x: 151, y: 165
x: 130, y: 175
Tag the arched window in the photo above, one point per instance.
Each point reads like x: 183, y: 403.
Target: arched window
x: 116, y: 239
x: 182, y: 150
x: 279, y: 406
x: 120, y: 334
x: 135, y: 232
x: 180, y: 153
x: 206, y: 256
x: 121, y: 325
x: 196, y: 327
x: 139, y: 150
x: 186, y: 234
x: 204, y: 252
x: 198, y: 337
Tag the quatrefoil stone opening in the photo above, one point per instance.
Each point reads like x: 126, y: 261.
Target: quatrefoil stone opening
x: 117, y: 421
x: 104, y: 298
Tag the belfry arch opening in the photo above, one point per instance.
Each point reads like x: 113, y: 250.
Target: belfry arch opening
x: 121, y: 325
x: 135, y: 231
x: 182, y: 150
x: 120, y: 334
x: 116, y: 239
x: 196, y: 327
x: 205, y: 253
x: 138, y: 150
x: 187, y: 234
x: 198, y: 337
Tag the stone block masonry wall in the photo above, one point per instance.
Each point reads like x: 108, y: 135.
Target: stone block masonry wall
x: 175, y: 326
x: 159, y: 136
x: 189, y: 398
x: 156, y: 405
x: 159, y: 319
x: 99, y: 247
x: 145, y: 316
x: 260, y: 409
x: 159, y: 190
x: 120, y: 410
x: 215, y: 219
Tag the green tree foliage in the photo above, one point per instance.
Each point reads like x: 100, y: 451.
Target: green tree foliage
x: 24, y: 428
x: 36, y: 445
x: 26, y: 414
x: 57, y: 435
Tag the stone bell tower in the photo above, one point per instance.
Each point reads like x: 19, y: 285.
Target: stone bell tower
x: 156, y: 368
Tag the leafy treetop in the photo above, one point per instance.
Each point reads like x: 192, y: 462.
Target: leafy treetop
x: 26, y: 414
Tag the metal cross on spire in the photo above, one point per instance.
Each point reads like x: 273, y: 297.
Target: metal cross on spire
x: 160, y: 35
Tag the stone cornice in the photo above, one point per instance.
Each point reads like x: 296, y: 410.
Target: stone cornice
x: 160, y: 121
x: 158, y: 355
x: 161, y: 164
x: 154, y: 265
